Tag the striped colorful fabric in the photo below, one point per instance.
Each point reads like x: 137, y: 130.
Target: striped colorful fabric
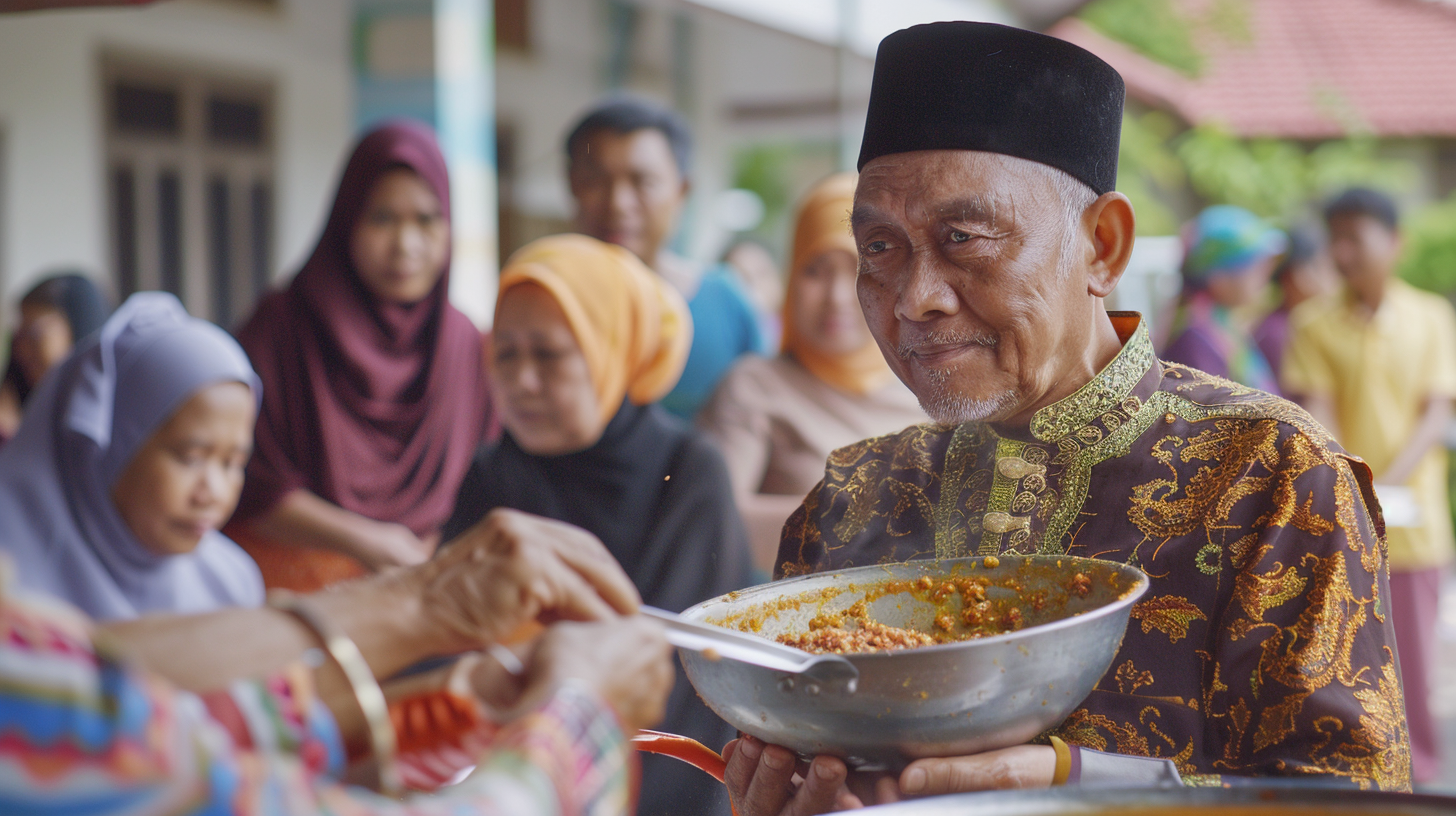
x: 84, y: 734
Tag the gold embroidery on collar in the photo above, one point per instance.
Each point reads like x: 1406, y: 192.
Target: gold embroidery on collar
x: 1110, y: 387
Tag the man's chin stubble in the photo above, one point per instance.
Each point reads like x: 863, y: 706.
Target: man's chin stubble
x: 946, y: 406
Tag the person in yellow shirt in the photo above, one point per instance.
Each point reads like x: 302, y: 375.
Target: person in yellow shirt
x: 1376, y: 363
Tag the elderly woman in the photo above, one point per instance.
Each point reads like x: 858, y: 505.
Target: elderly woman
x: 130, y: 459
x: 54, y: 315
x: 586, y: 338
x: 776, y: 420
x: 226, y: 713
x: 1229, y: 254
x: 375, y: 398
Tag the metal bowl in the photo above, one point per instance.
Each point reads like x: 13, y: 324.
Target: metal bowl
x: 944, y: 700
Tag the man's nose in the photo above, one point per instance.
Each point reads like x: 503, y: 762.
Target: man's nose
x: 623, y: 197
x: 926, y: 293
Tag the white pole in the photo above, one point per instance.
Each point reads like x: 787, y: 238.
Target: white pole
x: 465, y: 119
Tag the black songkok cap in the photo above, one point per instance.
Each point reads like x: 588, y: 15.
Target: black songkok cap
x: 981, y: 86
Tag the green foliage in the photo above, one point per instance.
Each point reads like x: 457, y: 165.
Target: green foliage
x: 1147, y: 169
x: 1277, y: 178
x: 1429, y: 260
x: 1265, y: 176
x: 1153, y: 28
x: 1230, y: 19
x: 1274, y: 178
x: 765, y: 169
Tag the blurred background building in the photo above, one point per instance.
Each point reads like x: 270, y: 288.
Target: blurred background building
x: 192, y: 145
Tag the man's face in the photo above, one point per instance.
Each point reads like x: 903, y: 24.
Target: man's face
x: 1364, y: 250
x: 628, y: 189
x: 962, y: 284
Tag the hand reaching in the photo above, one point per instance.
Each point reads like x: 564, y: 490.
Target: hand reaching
x: 512, y: 569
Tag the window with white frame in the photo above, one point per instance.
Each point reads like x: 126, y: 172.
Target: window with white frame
x: 190, y: 178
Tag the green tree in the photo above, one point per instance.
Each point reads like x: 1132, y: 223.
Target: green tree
x: 1429, y: 260
x: 1148, y: 170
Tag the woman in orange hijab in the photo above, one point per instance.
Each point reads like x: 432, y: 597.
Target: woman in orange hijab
x: 776, y: 420
x: 586, y: 339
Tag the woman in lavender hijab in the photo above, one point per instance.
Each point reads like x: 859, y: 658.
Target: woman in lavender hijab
x: 112, y: 491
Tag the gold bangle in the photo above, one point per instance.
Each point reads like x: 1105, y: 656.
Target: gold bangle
x: 367, y: 693
x: 1064, y: 762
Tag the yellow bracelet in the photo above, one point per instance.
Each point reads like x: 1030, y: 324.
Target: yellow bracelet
x: 367, y: 693
x: 1064, y: 761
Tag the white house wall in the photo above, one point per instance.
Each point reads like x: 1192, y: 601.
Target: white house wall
x: 51, y: 114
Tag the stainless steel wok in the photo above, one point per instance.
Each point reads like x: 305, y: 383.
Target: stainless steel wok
x: 944, y: 700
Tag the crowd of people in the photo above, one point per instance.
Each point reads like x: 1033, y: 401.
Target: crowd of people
x: 409, y: 487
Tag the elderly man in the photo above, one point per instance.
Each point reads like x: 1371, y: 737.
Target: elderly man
x: 989, y: 233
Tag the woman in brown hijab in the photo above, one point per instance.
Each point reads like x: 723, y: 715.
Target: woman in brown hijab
x: 374, y: 395
x: 776, y: 420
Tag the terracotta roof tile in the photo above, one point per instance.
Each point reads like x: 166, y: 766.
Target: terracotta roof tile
x: 1312, y: 69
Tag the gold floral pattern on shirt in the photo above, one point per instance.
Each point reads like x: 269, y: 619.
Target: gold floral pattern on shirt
x: 1168, y: 614
x: 1262, y: 647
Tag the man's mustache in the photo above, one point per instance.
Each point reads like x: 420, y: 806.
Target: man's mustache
x: 937, y: 340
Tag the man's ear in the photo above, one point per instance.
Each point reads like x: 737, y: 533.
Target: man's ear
x: 1113, y: 224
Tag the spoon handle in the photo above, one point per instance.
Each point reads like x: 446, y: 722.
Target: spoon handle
x: 717, y: 642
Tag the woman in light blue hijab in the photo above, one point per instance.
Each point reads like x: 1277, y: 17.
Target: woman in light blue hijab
x: 129, y: 459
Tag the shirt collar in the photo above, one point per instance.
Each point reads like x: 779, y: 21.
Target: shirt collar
x: 1112, y: 386
x: 1386, y: 315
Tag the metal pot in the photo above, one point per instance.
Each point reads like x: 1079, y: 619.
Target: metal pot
x: 945, y: 700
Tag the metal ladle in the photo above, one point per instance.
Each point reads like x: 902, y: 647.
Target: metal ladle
x: 805, y: 673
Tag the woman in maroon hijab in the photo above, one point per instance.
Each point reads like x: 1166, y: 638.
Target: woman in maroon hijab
x: 374, y: 397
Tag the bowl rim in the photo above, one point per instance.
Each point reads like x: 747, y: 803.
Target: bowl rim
x: 1129, y: 597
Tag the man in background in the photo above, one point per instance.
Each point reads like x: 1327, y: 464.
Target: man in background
x: 628, y: 163
x: 1376, y: 363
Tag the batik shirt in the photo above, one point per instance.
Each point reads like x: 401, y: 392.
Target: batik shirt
x: 1263, y: 646
x: 84, y: 733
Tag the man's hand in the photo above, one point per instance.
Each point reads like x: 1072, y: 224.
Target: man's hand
x: 513, y: 568
x: 1022, y: 766
x: 761, y: 781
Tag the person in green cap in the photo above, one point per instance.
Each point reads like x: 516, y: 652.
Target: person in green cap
x: 1229, y: 256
